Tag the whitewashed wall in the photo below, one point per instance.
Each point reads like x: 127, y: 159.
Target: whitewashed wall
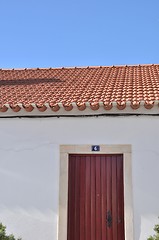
x: 29, y: 168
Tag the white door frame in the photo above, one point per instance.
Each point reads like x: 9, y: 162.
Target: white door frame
x: 65, y: 150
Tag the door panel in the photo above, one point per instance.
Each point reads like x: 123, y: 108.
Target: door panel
x: 95, y: 197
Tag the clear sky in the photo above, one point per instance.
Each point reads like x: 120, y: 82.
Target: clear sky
x: 56, y: 33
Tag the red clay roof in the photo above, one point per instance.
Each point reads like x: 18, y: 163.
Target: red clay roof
x: 27, y: 88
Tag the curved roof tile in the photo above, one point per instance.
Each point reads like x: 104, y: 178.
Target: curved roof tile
x: 69, y: 87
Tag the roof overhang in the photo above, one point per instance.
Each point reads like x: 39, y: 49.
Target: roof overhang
x: 73, y: 110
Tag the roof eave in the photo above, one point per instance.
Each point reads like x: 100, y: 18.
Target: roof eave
x: 73, y: 110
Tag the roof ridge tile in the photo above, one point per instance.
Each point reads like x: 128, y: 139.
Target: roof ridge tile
x: 77, y: 67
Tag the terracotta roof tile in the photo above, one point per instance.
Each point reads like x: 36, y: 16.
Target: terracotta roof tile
x: 80, y: 85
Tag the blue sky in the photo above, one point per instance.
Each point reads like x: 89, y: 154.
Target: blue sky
x: 49, y: 33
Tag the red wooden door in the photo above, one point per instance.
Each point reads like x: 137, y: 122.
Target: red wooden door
x: 95, y: 197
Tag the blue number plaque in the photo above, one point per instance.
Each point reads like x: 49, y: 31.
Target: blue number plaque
x: 95, y: 148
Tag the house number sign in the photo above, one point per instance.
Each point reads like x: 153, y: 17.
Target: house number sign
x: 95, y: 148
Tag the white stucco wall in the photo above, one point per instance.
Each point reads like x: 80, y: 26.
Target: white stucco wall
x: 29, y: 168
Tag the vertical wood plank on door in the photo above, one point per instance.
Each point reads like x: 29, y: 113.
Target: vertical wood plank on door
x: 109, y: 194
x: 120, y: 205
x: 93, y: 192
x: 88, y: 198
x: 98, y: 198
x: 77, y: 198
x: 103, y: 197
x: 82, y: 197
x: 122, y: 200
x: 71, y: 199
x: 114, y: 197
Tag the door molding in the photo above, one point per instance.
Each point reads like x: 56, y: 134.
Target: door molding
x: 65, y: 150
